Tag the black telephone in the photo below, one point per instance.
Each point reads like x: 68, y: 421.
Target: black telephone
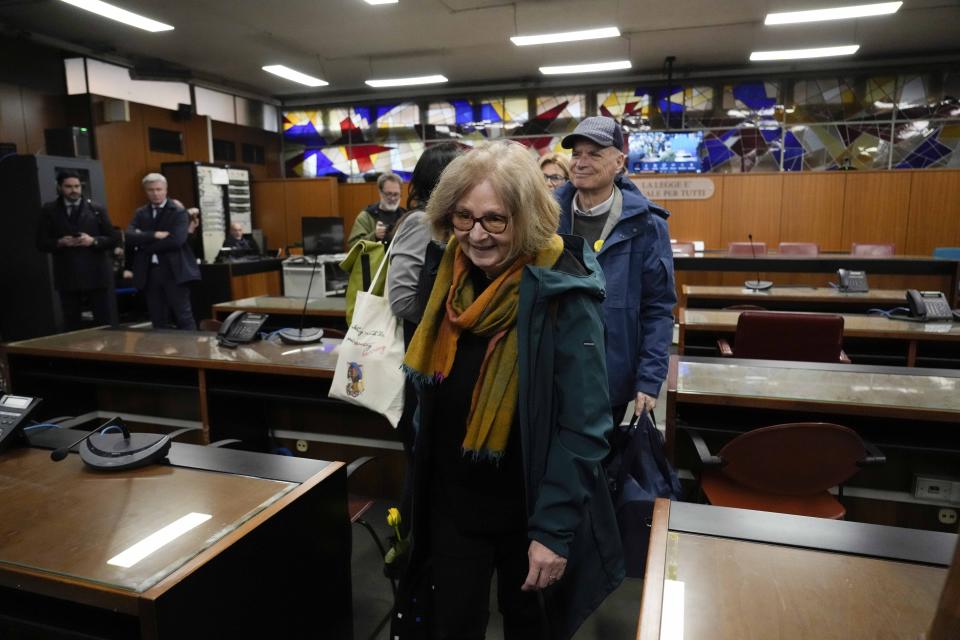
x: 852, y: 281
x: 14, y: 411
x: 928, y: 305
x: 240, y: 327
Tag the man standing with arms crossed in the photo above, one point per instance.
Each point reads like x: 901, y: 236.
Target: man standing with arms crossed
x: 632, y: 242
x: 163, y: 265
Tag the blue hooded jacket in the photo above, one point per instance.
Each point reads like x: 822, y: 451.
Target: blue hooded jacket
x: 637, y: 262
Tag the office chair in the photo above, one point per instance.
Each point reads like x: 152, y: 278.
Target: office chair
x: 786, y: 468
x: 683, y: 248
x: 783, y: 335
x: 799, y: 248
x: 873, y: 250
x: 743, y: 249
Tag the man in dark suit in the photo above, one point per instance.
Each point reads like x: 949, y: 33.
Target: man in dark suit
x: 79, y: 235
x: 163, y: 265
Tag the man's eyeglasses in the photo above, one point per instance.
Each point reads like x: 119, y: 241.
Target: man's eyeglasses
x: 463, y: 221
x: 554, y: 178
x: 388, y: 194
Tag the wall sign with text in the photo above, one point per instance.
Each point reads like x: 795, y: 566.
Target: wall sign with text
x: 657, y: 189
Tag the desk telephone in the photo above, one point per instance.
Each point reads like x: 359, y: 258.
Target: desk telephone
x: 240, y: 327
x: 14, y: 411
x: 852, y: 281
x: 929, y: 305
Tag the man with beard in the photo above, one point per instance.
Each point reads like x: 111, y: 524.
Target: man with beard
x: 377, y: 222
x: 80, y: 236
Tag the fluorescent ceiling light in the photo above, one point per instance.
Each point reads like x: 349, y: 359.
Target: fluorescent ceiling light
x: 837, y: 13
x: 296, y: 76
x: 406, y: 82
x: 567, y: 36
x: 797, y: 54
x: 586, y: 68
x: 120, y: 15
x: 381, y: 1
x: 158, y: 539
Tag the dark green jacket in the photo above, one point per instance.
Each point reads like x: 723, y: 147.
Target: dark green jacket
x: 564, y: 417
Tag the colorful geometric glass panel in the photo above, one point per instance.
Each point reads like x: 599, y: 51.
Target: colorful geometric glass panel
x: 400, y: 115
x: 303, y: 126
x: 816, y: 147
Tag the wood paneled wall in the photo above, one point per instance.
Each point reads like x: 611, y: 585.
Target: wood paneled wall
x: 917, y: 210
x: 32, y: 94
x: 279, y: 205
x: 124, y: 150
x: 240, y: 135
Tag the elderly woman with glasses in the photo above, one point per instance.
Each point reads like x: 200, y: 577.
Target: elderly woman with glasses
x: 556, y: 170
x: 513, y: 420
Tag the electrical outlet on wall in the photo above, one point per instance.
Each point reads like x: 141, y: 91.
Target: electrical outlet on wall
x: 948, y: 516
x: 302, y: 446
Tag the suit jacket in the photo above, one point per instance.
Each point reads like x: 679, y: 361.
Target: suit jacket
x: 78, y: 268
x: 171, y: 251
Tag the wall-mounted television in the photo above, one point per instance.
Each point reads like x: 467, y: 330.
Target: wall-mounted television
x: 322, y: 235
x: 664, y: 152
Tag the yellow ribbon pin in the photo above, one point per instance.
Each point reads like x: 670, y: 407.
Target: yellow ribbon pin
x: 597, y: 246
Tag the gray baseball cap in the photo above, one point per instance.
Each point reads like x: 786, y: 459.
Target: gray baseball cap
x: 605, y: 131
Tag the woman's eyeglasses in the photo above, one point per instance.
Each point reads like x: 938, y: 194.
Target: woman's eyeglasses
x: 463, y: 221
x: 554, y: 178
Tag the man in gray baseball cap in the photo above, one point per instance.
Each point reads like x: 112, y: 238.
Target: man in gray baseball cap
x: 630, y: 236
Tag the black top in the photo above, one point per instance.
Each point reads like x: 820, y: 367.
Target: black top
x: 78, y: 268
x: 481, y: 496
x: 590, y: 228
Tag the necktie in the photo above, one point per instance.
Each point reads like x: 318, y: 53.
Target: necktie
x: 154, y: 213
x: 71, y: 212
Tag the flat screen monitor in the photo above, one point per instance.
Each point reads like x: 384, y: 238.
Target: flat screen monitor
x: 322, y: 235
x: 664, y: 152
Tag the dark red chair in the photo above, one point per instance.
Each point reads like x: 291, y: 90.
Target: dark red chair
x: 799, y: 248
x: 683, y: 248
x: 787, y: 468
x: 782, y: 335
x: 743, y: 249
x: 873, y: 250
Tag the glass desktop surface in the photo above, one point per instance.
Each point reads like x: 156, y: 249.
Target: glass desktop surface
x: 853, y: 324
x: 807, y: 382
x: 182, y: 347
x: 67, y: 521
x: 284, y: 304
x: 728, y: 589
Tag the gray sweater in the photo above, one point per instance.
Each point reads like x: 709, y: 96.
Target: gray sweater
x: 406, y: 259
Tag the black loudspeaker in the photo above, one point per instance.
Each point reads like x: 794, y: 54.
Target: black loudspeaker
x: 68, y: 142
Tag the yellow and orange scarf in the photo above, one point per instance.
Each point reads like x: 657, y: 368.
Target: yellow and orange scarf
x: 454, y: 308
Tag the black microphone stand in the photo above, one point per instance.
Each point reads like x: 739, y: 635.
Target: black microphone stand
x: 301, y: 335
x: 758, y: 284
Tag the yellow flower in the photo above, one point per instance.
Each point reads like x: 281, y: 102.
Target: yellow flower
x: 393, y: 517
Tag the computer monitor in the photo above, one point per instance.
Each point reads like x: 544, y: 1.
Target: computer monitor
x: 664, y: 151
x: 322, y: 235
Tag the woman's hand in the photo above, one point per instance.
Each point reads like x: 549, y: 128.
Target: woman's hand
x: 546, y: 567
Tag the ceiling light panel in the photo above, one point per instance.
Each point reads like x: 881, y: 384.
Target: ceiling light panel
x: 294, y: 75
x: 567, y: 36
x: 406, y: 82
x: 120, y: 15
x: 593, y: 67
x: 800, y: 54
x: 836, y: 13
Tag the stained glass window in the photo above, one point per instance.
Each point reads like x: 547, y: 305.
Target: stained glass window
x: 400, y: 115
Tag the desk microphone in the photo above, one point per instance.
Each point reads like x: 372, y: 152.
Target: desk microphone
x: 758, y: 284
x: 59, y: 454
x: 301, y: 335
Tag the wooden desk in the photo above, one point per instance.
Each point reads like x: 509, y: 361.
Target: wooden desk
x: 62, y: 527
x: 223, y: 281
x: 791, y: 298
x: 911, y: 414
x: 267, y: 394
x: 326, y: 311
x: 699, y: 329
x: 733, y: 574
x: 894, y: 272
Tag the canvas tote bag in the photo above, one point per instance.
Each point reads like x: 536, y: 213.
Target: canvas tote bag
x: 368, y: 372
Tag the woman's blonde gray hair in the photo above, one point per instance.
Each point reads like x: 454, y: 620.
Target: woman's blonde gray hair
x: 518, y: 182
